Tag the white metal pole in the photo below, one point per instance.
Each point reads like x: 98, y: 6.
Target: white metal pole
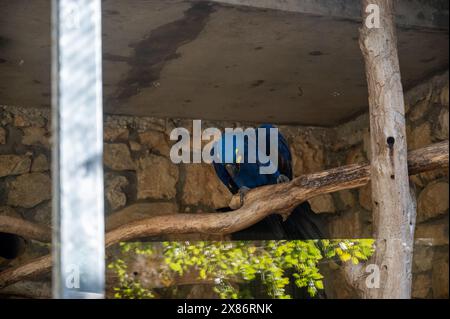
x: 77, y: 167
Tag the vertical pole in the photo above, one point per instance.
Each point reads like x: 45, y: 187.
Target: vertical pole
x: 393, y: 207
x: 78, y: 221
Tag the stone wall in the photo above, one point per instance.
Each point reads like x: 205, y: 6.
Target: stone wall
x: 141, y: 181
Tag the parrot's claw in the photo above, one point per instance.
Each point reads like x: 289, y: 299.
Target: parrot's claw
x: 282, y: 179
x: 242, y: 192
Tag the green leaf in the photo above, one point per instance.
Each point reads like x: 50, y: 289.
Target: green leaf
x: 318, y: 284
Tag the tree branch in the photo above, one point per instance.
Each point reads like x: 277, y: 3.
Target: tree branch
x: 258, y: 204
x: 282, y: 198
x: 24, y: 228
x: 29, y: 290
x: 30, y: 269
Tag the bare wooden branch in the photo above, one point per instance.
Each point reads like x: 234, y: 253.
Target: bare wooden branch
x: 428, y: 158
x: 30, y: 269
x: 258, y: 203
x: 29, y: 290
x: 25, y: 228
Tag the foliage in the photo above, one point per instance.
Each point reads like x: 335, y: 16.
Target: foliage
x: 226, y: 264
x: 128, y: 287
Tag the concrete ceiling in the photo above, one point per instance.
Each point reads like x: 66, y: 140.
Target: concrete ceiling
x: 208, y: 60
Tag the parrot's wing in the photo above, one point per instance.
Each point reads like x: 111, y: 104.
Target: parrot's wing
x: 225, y: 177
x: 304, y: 224
x: 284, y: 157
x: 284, y: 153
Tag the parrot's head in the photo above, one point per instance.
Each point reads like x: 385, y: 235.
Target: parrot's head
x: 237, y: 149
x: 232, y: 150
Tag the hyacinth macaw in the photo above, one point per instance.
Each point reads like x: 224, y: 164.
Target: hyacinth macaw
x: 240, y: 175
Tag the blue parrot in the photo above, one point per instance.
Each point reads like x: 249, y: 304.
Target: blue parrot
x: 240, y: 175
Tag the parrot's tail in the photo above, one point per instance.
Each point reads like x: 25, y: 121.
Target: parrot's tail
x: 270, y: 228
x: 304, y: 224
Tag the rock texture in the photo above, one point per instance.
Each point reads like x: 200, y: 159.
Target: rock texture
x: 112, y: 134
x: 28, y: 190
x: 323, y: 204
x: 2, y: 136
x: 440, y: 277
x: 35, y: 136
x: 40, y: 163
x: 157, y: 177
x: 212, y: 193
x: 14, y: 165
x: 114, y: 194
x: 432, y: 201
x: 308, y: 154
x: 155, y: 141
x: 117, y: 157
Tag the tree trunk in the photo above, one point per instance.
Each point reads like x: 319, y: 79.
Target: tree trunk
x: 393, y: 208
